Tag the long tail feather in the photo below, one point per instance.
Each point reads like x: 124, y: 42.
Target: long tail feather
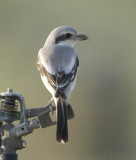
x: 62, y: 128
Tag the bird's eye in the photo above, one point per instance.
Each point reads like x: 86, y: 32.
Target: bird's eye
x: 68, y: 35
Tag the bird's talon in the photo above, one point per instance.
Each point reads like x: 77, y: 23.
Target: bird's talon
x: 51, y: 109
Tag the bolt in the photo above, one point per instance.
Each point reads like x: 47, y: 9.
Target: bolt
x: 9, y: 90
x: 1, y: 150
x: 23, y: 144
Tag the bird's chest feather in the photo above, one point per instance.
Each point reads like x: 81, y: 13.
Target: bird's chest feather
x: 60, y: 59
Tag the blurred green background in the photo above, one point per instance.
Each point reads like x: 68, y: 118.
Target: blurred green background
x: 104, y: 97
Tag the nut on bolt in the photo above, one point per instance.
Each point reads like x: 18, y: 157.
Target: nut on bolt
x: 23, y: 144
x: 9, y: 90
x: 1, y: 150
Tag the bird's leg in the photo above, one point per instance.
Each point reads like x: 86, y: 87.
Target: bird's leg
x: 49, y: 103
x: 50, y: 106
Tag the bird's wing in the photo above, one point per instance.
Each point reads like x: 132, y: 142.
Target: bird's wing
x: 60, y: 80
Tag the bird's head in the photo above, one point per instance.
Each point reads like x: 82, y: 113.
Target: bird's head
x: 65, y: 36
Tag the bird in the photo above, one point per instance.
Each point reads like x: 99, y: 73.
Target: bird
x: 58, y: 62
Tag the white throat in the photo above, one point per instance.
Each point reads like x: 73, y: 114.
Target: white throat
x: 69, y: 43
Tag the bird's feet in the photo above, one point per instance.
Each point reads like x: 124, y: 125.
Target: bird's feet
x: 51, y: 109
x: 50, y: 106
x: 49, y: 103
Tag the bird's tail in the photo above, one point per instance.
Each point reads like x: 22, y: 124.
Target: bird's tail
x: 62, y: 128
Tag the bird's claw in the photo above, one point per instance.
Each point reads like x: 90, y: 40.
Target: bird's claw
x: 51, y: 109
x: 50, y: 105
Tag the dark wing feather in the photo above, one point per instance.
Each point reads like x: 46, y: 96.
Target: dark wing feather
x: 59, y: 81
x: 51, y: 78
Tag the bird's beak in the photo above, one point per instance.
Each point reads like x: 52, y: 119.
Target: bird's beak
x: 80, y: 37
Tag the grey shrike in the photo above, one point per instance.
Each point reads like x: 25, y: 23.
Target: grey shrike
x: 58, y: 62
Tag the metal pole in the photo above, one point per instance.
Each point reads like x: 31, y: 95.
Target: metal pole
x: 9, y: 144
x: 9, y: 157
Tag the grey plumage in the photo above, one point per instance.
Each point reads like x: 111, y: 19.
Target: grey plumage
x: 58, y: 62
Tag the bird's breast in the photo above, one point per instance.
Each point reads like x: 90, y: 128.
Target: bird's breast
x: 59, y: 59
